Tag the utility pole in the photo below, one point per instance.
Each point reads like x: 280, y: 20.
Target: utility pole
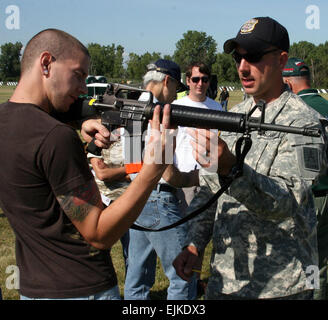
x: 312, y: 66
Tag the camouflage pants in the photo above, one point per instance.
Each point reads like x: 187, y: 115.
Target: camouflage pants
x: 305, y: 295
x: 321, y: 204
x: 322, y: 293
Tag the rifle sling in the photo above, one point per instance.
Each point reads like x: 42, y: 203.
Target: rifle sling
x: 240, y: 155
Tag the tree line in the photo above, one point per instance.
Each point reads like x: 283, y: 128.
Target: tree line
x: 108, y: 60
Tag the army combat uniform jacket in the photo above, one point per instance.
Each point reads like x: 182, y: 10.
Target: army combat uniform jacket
x: 264, y: 227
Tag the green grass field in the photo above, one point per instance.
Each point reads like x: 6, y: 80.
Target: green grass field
x: 5, y: 93
x: 7, y: 239
x: 7, y: 258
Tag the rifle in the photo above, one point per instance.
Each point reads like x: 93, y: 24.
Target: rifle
x: 120, y: 107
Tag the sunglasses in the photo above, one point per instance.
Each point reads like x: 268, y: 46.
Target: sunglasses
x: 250, y: 57
x: 197, y: 79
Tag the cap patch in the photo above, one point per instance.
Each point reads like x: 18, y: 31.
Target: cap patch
x: 248, y: 26
x: 289, y: 69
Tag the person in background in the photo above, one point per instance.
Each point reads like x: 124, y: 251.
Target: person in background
x: 163, y: 81
x: 112, y: 179
x: 224, y: 98
x: 296, y: 75
x: 198, y: 77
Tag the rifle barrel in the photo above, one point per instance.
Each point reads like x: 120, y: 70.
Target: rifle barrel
x: 225, y: 121
x: 296, y: 130
x: 203, y: 118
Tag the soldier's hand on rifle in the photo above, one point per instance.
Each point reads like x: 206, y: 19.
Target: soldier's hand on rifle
x: 94, y: 129
x: 211, y: 151
x: 184, y: 263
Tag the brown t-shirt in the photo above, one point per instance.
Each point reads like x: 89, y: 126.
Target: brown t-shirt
x: 40, y: 158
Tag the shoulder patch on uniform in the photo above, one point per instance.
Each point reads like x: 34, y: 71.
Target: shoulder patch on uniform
x: 311, y: 158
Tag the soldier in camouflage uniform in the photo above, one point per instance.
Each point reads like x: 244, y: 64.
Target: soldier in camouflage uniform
x: 264, y: 228
x: 112, y: 180
x: 297, y: 75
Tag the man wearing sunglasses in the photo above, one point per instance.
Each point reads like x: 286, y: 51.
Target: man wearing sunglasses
x: 264, y: 227
x: 163, y: 80
x: 198, y: 77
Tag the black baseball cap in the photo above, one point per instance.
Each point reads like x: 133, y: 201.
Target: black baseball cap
x: 171, y: 69
x: 296, y: 67
x: 259, y: 34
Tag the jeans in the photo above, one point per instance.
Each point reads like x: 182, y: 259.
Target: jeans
x: 125, y: 248
x: 224, y: 105
x: 110, y: 294
x: 160, y: 210
x: 321, y: 205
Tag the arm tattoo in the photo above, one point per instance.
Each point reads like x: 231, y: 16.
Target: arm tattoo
x: 78, y: 202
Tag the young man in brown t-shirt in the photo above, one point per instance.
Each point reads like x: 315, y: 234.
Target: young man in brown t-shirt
x: 50, y: 197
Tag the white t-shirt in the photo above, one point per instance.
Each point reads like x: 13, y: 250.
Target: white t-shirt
x: 145, y: 97
x: 184, y: 159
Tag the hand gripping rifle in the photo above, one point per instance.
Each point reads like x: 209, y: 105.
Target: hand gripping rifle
x: 120, y: 107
